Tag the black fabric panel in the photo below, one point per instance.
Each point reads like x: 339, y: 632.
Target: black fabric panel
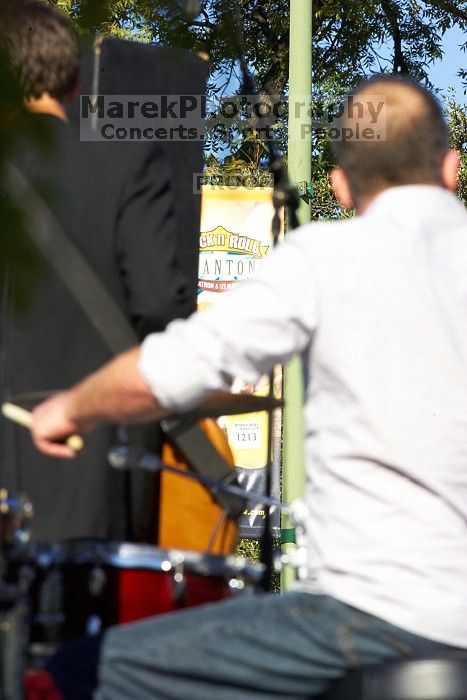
x: 132, y: 68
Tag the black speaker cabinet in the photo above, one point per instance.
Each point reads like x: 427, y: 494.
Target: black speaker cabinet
x: 112, y: 66
x: 115, y: 67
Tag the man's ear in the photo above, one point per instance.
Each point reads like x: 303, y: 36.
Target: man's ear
x: 450, y: 170
x: 340, y: 186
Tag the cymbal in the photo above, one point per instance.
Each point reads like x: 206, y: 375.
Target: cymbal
x: 223, y: 403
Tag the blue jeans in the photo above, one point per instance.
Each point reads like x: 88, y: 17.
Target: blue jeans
x: 289, y: 646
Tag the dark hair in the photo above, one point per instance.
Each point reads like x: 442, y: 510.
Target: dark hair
x: 412, y: 147
x: 42, y: 47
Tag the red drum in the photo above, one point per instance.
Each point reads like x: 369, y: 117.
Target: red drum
x: 82, y: 587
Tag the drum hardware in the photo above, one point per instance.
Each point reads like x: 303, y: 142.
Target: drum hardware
x: 97, y: 579
x: 179, y: 586
x: 14, y: 630
x: 93, y: 625
x: 50, y: 597
x: 9, y: 594
x: 297, y: 557
x: 15, y: 515
x: 5, y: 626
x: 236, y: 585
x: 224, y: 403
x: 25, y: 578
x: 83, y: 587
x: 124, y: 457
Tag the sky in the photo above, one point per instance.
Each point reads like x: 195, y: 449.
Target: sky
x: 443, y: 74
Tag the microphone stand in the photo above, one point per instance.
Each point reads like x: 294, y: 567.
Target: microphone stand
x: 127, y: 458
x: 285, y: 196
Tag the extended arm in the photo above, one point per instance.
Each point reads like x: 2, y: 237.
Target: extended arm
x: 264, y: 321
x: 116, y: 392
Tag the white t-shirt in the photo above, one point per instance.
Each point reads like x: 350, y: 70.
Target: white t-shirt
x: 378, y: 307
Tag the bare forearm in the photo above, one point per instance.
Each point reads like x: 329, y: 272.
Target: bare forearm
x: 116, y: 392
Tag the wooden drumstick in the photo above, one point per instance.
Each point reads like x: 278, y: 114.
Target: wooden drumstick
x: 22, y: 417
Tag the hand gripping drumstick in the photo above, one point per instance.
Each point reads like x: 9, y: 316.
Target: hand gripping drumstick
x: 22, y: 417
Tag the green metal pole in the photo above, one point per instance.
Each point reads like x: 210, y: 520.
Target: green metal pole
x: 299, y: 161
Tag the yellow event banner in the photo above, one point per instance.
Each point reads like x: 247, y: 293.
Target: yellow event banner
x: 235, y: 239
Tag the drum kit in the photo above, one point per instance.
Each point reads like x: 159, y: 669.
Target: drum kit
x: 51, y: 593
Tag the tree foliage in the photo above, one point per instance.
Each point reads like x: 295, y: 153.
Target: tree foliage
x: 15, y: 249
x: 351, y: 39
x: 457, y: 116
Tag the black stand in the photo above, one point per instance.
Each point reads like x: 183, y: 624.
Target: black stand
x: 285, y: 197
x: 14, y: 631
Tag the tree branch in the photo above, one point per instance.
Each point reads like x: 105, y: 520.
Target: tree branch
x: 449, y: 7
x: 392, y: 14
x: 337, y: 37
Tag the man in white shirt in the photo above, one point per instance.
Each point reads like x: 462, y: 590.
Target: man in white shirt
x: 376, y: 305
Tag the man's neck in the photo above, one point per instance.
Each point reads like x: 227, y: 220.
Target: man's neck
x: 46, y: 104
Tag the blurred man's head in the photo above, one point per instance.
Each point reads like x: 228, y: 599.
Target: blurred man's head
x: 42, y: 48
x: 410, y: 146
